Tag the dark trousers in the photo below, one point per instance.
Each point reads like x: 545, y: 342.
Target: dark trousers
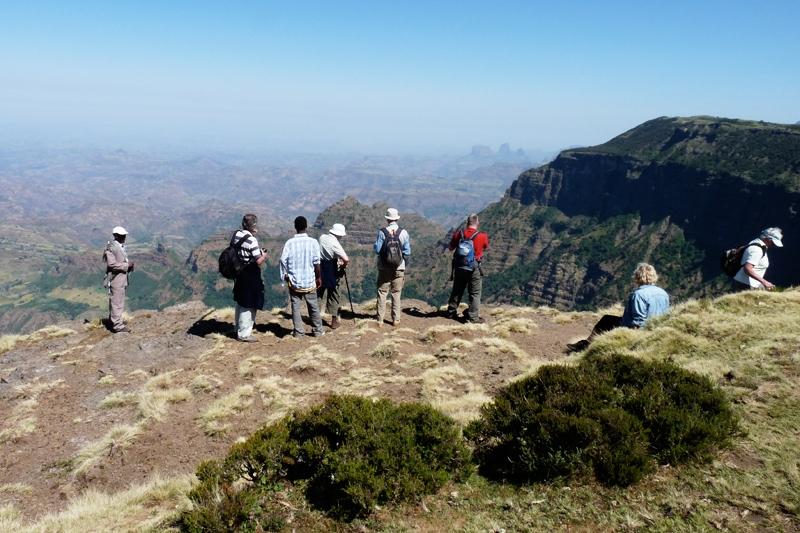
x: 472, y: 280
x: 606, y: 323
x: 313, y: 312
x: 329, y: 299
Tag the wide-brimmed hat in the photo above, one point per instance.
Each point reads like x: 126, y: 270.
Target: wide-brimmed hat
x: 119, y: 230
x: 775, y: 235
x: 338, y: 230
x: 392, y: 214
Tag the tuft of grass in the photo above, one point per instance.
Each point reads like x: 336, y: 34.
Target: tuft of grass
x: 451, y: 390
x: 387, y: 349
x: 420, y: 360
x: 321, y: 360
x: 107, y: 380
x: 151, y: 506
x: 119, y: 399
x: 248, y: 367
x: 365, y: 381
x: 7, y: 342
x: 505, y: 326
x: 454, y: 349
x: 22, y: 421
x: 496, y: 345
x: 204, y: 383
x: 212, y: 420
x: 118, y: 437
x: 15, y: 488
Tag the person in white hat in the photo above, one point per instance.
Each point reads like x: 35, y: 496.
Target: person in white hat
x: 117, y: 269
x: 333, y: 259
x: 393, y: 246
x: 755, y: 261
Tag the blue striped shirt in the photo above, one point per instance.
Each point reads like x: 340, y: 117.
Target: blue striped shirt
x: 300, y: 254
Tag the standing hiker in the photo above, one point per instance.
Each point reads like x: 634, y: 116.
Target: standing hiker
x: 333, y: 260
x: 469, y: 245
x: 755, y: 261
x: 646, y: 302
x: 117, y: 269
x: 393, y: 246
x: 300, y: 269
x: 248, y: 287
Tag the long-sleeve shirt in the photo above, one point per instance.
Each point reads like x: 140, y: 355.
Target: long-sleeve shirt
x: 643, y: 304
x: 116, y: 258
x: 405, y: 244
x: 300, y: 254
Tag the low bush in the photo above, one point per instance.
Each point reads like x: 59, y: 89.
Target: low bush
x: 350, y: 454
x: 616, y: 416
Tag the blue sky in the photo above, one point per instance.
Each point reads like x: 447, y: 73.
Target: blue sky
x: 387, y: 76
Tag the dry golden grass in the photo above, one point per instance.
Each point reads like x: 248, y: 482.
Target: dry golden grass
x: 22, y: 420
x: 7, y: 342
x: 281, y: 395
x: 505, y: 326
x: 420, y: 360
x: 434, y: 333
x: 454, y: 349
x: 15, y: 488
x: 451, y: 390
x: 118, y: 437
x: 319, y: 359
x: 204, y: 383
x: 496, y: 345
x: 107, y: 380
x: 139, y: 374
x: 147, y: 507
x: 249, y: 366
x: 365, y: 381
x: 386, y: 349
x: 151, y: 401
x: 212, y: 420
x: 223, y: 314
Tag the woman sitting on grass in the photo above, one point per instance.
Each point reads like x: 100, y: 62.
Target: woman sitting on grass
x: 643, y: 304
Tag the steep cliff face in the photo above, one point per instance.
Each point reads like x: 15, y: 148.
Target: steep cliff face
x: 675, y: 192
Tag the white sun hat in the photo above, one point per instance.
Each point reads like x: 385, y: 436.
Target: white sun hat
x: 392, y: 214
x: 338, y: 230
x: 776, y: 234
x: 119, y: 230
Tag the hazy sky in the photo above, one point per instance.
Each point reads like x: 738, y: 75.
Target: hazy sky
x: 387, y: 76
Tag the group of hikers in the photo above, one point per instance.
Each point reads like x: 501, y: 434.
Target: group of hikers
x: 312, y: 269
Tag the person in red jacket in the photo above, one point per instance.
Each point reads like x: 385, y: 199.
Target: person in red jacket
x: 469, y: 246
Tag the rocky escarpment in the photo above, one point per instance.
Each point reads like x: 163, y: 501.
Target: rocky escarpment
x: 675, y: 192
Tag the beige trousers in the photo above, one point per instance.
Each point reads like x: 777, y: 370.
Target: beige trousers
x: 390, y: 281
x: 116, y: 305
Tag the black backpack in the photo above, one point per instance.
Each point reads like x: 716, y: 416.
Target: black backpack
x: 391, y: 253
x: 731, y: 260
x: 230, y: 264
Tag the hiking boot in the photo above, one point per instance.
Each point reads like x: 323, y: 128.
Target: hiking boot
x: 335, y: 322
x: 123, y: 329
x: 478, y: 320
x: 394, y: 323
x: 579, y: 346
x: 247, y: 339
x: 319, y: 333
x: 451, y: 314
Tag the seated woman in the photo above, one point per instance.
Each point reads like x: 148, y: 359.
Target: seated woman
x: 643, y: 304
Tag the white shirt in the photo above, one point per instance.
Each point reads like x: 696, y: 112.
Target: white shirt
x: 331, y: 248
x: 757, y: 257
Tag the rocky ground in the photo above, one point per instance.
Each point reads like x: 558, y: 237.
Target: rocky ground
x: 82, y: 408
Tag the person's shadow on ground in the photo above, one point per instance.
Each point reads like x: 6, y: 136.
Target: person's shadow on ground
x: 204, y: 327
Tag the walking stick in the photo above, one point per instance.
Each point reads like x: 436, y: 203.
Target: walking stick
x: 347, y: 284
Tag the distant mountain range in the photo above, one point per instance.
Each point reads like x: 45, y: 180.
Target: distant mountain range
x: 674, y: 192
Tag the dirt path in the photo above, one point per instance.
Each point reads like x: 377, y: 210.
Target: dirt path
x: 94, y: 410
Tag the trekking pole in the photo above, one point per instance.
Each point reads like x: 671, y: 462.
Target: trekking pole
x: 347, y: 284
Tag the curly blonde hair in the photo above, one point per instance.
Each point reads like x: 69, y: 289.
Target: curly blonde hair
x: 645, y: 274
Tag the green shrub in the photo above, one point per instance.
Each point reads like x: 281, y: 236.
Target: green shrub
x: 358, y: 453
x: 349, y: 453
x: 614, y: 415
